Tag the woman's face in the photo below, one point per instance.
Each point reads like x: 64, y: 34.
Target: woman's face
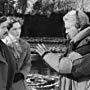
x: 15, y: 31
x: 71, y: 30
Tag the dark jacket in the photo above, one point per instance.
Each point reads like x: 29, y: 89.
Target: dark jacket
x: 7, y: 67
x: 80, y: 69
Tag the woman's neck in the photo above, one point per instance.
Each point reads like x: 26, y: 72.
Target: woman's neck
x: 13, y: 39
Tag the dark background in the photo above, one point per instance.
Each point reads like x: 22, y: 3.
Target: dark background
x: 43, y: 26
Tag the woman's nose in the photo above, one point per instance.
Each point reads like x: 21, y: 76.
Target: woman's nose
x: 67, y: 31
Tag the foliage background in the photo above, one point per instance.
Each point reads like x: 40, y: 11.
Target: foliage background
x: 42, y: 7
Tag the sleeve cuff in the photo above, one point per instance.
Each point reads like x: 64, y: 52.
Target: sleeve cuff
x: 45, y: 53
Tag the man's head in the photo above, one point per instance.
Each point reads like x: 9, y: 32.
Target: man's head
x: 3, y: 27
x: 74, y: 22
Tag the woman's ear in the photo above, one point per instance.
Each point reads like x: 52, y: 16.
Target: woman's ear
x: 77, y: 25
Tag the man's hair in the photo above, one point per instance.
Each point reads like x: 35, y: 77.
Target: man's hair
x: 11, y: 25
x: 14, y: 20
x: 3, y: 19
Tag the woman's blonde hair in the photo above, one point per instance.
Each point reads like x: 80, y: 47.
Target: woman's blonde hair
x: 81, y: 18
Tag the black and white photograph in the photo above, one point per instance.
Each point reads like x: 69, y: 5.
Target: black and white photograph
x: 44, y: 44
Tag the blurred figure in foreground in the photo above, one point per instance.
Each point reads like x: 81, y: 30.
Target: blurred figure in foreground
x: 21, y: 51
x: 74, y: 64
x: 7, y: 61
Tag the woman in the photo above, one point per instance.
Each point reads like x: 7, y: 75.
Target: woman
x: 74, y: 64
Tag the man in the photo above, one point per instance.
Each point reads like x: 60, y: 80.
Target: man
x: 7, y: 62
x: 21, y: 51
x: 74, y: 64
